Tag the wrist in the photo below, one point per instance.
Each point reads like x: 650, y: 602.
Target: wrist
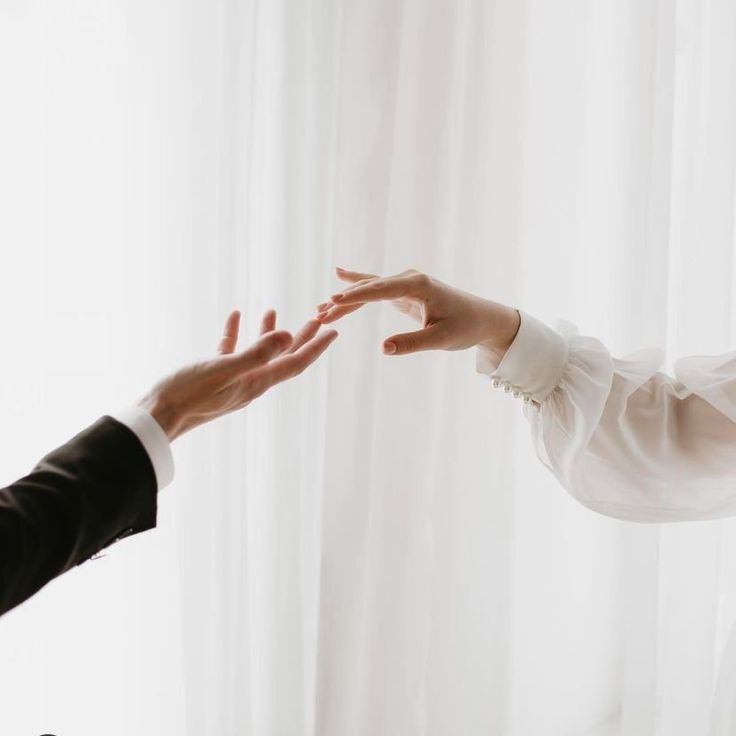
x: 164, y: 413
x: 501, y: 329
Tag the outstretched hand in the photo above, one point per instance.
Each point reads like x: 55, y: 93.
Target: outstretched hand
x: 211, y: 388
x: 451, y: 319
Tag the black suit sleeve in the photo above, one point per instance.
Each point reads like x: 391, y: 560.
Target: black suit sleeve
x: 96, y: 489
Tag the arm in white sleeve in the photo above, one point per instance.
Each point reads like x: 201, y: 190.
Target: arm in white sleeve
x: 154, y: 440
x: 623, y: 438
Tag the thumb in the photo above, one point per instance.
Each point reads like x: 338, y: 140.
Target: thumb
x: 430, y: 338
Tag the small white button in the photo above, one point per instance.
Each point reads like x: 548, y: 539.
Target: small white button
x: 496, y: 382
x: 507, y: 388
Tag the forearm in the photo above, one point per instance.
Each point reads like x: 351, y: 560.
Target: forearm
x: 622, y: 437
x: 95, y: 489
x: 501, y: 324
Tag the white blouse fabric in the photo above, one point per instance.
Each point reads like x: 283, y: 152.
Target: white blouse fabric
x: 623, y: 438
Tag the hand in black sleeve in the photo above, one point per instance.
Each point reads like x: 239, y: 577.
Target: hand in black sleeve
x: 97, y: 488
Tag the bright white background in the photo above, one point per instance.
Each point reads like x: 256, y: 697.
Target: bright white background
x: 372, y: 549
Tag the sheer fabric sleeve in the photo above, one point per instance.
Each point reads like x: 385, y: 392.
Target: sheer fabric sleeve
x: 623, y: 438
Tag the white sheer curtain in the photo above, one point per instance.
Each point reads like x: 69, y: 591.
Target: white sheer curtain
x: 372, y: 549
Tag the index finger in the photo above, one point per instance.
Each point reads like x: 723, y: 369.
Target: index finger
x: 304, y: 335
x: 333, y: 313
x: 381, y: 289
x: 291, y: 365
x: 353, y: 276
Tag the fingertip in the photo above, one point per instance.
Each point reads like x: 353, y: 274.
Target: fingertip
x: 268, y: 321
x: 337, y: 297
x: 389, y: 347
x: 343, y: 274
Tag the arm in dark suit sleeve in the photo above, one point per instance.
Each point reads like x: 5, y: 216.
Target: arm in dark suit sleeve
x: 97, y: 488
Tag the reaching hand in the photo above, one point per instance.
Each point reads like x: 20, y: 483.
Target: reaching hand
x: 209, y: 389
x: 451, y: 319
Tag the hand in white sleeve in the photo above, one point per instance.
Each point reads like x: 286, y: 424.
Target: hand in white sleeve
x: 623, y: 438
x: 451, y: 319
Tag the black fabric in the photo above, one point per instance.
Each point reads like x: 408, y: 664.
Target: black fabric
x: 97, y: 488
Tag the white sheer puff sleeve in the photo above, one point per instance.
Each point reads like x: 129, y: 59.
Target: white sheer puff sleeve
x: 623, y: 438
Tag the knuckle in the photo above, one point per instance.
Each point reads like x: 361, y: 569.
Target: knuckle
x: 421, y: 279
x: 264, y: 382
x: 261, y: 351
x: 258, y: 390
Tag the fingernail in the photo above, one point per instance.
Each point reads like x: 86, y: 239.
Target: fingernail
x: 340, y: 269
x: 337, y: 297
x: 389, y: 348
x: 322, y: 307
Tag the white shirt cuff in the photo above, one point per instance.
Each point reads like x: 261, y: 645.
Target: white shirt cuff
x: 533, y: 365
x: 153, y: 439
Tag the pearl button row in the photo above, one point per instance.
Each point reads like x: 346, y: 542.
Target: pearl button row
x: 509, y: 388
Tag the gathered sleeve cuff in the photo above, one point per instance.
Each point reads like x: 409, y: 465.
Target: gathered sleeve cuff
x: 621, y: 436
